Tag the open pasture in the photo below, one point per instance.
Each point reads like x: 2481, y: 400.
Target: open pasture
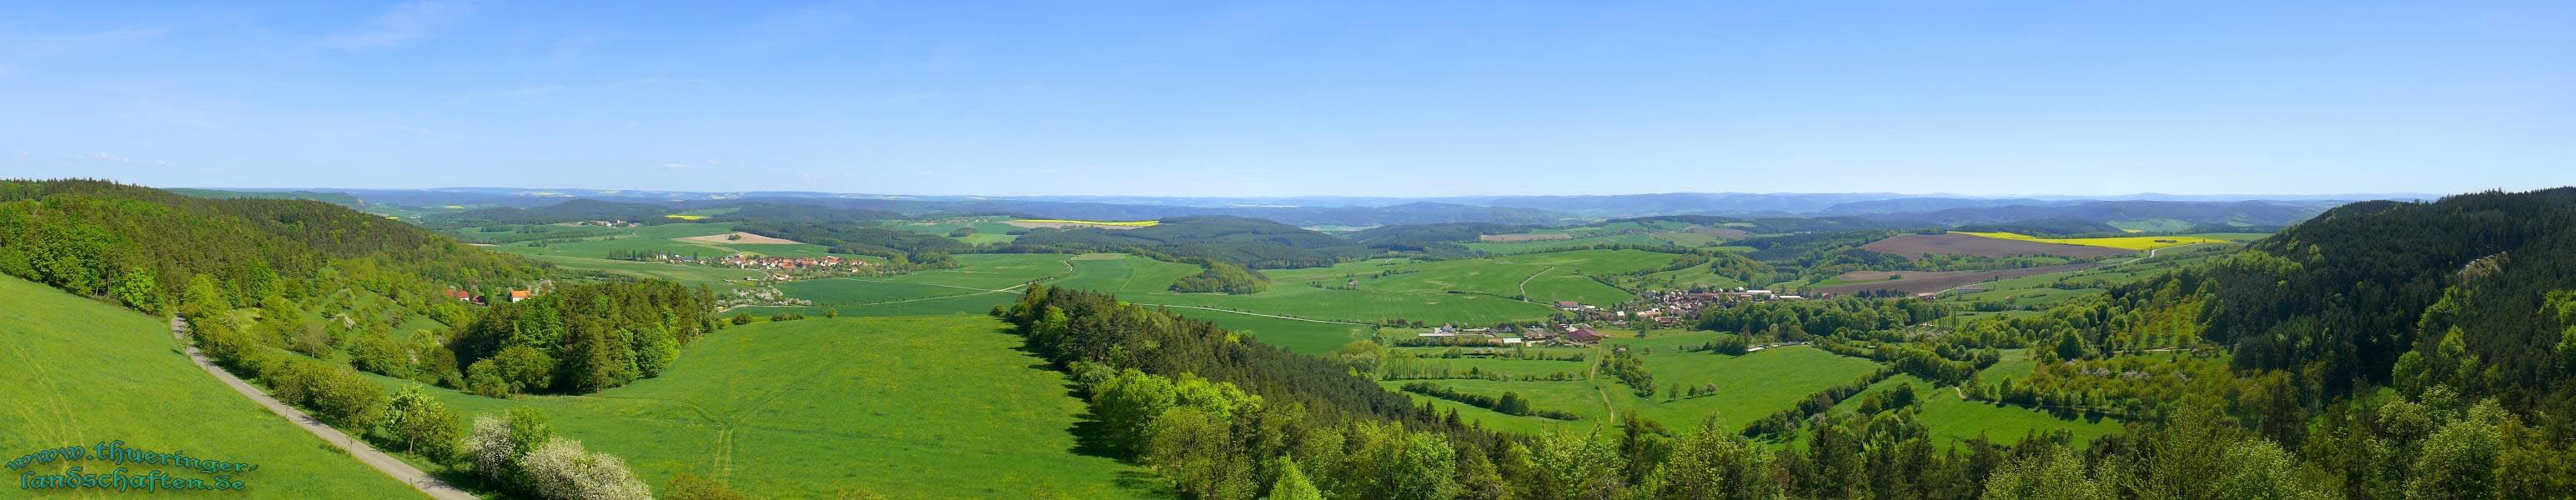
x: 848, y: 404
x: 1748, y: 388
x: 1957, y: 420
x: 703, y: 239
x: 715, y: 277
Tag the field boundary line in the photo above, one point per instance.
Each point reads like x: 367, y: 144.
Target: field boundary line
x: 1252, y: 314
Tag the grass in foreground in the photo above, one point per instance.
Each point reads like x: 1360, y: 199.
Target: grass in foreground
x: 83, y: 372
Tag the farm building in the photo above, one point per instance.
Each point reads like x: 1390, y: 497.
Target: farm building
x: 1582, y: 335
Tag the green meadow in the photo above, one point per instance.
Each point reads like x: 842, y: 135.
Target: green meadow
x: 1748, y: 388
x: 815, y: 407
x: 84, y: 372
x: 1956, y: 420
x: 661, y: 238
x: 988, y: 230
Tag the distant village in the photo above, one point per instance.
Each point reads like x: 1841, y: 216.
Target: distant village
x: 1661, y: 308
x: 780, y: 268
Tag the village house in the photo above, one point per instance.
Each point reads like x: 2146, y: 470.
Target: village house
x: 519, y: 295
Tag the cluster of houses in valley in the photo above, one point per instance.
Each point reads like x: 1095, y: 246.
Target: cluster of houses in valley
x: 1669, y: 307
x: 609, y: 223
x: 741, y: 261
x: 514, y: 295
x: 1550, y: 334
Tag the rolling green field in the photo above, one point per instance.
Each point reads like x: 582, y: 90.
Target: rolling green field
x: 1472, y: 291
x: 1748, y: 388
x: 85, y: 372
x: 712, y: 277
x: 988, y: 230
x: 2041, y: 290
x: 861, y: 404
x: 1956, y: 420
x: 1512, y: 247
x: 659, y: 238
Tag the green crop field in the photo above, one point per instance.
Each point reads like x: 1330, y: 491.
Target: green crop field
x: 84, y: 372
x: 659, y: 238
x: 979, y: 283
x: 988, y: 230
x: 1423, y: 291
x: 1748, y: 388
x: 1513, y: 247
x: 712, y: 277
x: 1956, y: 420
x: 863, y: 404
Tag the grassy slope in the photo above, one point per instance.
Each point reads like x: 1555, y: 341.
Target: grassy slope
x: 911, y: 407
x: 85, y: 372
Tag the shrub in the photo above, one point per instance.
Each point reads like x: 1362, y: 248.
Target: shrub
x: 489, y: 448
x: 422, y: 424
x: 561, y: 469
x: 348, y: 400
x: 378, y: 353
x: 484, y: 379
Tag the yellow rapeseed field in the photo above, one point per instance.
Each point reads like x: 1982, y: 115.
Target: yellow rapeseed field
x: 2124, y: 242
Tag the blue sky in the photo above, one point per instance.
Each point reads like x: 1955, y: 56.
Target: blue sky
x: 1299, y: 98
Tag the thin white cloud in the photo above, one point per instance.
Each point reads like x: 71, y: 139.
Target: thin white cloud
x: 676, y: 167
x: 404, y: 24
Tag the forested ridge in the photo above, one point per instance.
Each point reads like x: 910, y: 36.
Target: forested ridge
x: 1251, y: 243
x: 902, y: 247
x: 2382, y: 350
x: 273, y: 288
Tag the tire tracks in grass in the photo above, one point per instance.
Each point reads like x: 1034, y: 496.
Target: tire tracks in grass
x: 729, y: 423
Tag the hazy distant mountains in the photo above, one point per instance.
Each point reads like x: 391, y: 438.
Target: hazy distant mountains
x: 2173, y: 210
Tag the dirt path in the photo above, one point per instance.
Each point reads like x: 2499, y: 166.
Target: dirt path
x: 1592, y: 375
x: 427, y: 485
x: 1524, y: 286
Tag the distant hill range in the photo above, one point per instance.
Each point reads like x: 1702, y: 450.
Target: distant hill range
x: 2150, y: 212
